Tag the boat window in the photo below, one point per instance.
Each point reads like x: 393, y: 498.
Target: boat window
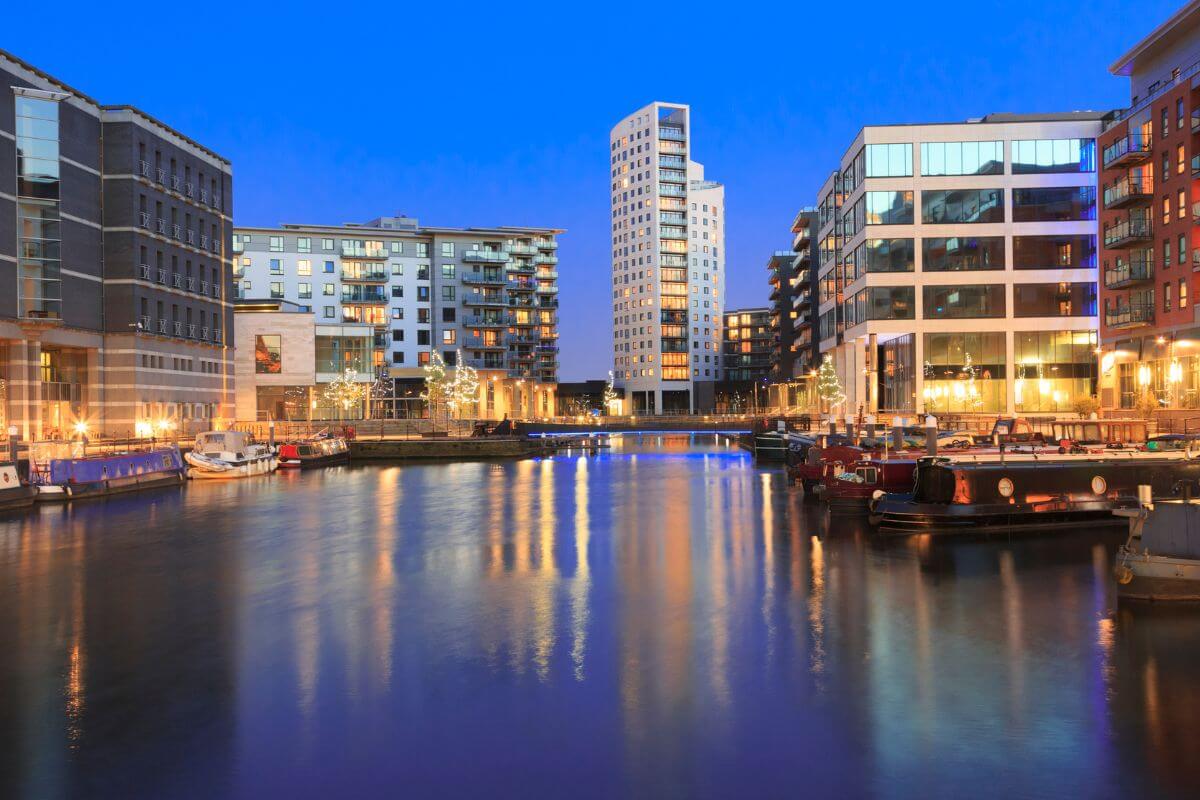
x: 868, y: 474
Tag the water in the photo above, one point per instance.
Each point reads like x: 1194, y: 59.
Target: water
x: 660, y: 620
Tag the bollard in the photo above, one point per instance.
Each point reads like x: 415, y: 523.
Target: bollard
x: 931, y: 435
x: 832, y: 425
x: 13, y: 443
x: 849, y: 425
x: 271, y: 433
x: 898, y: 433
x: 870, y: 420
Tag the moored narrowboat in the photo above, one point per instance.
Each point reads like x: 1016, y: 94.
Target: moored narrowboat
x: 61, y: 472
x: 1161, y: 559
x: 850, y: 491
x: 1037, y: 490
x: 14, y: 492
x: 315, y: 452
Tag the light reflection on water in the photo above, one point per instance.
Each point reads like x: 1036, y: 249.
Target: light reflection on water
x: 659, y: 619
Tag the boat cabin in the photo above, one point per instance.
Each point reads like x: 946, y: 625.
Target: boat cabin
x: 1115, y: 432
x: 214, y: 442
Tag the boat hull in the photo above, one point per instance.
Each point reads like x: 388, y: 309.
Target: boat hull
x: 1158, y: 578
x: 247, y: 469
x: 17, y: 497
x: 63, y: 479
x: 61, y: 493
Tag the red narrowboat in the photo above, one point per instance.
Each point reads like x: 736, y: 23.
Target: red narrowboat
x: 317, y: 452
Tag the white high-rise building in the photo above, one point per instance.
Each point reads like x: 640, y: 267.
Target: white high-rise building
x: 668, y: 264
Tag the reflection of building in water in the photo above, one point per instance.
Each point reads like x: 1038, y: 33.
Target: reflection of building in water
x: 1154, y: 700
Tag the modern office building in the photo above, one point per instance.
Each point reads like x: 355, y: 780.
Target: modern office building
x: 1150, y: 182
x: 489, y: 293
x: 114, y: 243
x: 668, y: 262
x: 957, y: 265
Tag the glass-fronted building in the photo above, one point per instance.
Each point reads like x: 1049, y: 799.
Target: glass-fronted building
x: 957, y: 265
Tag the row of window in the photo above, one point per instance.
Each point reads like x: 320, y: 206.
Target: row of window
x: 968, y: 253
x: 972, y: 301
x: 969, y: 206
x: 1028, y: 156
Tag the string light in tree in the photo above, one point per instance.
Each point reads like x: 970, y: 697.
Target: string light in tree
x: 344, y: 391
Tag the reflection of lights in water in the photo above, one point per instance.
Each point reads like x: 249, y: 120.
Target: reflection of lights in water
x: 1010, y: 592
x: 580, y: 584
x: 816, y: 599
x: 768, y: 534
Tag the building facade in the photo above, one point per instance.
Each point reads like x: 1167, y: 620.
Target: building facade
x: 781, y: 275
x: 668, y: 261
x: 747, y: 344
x: 114, y: 272
x: 490, y: 294
x: 957, y: 265
x: 1150, y: 181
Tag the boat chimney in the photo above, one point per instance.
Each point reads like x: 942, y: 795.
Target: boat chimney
x: 931, y: 435
x: 1145, y: 495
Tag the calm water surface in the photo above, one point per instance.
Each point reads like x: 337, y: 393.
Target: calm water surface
x: 661, y: 620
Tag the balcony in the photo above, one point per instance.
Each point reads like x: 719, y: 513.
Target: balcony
x: 144, y: 272
x: 160, y: 225
x: 176, y: 183
x: 484, y: 363
x: 1127, y: 232
x: 203, y: 287
x: 1129, y: 191
x: 372, y: 275
x: 671, y: 190
x: 671, y: 133
x: 522, y: 339
x: 489, y: 321
x: 521, y: 286
x: 522, y: 249
x: 547, y: 244
x: 162, y: 276
x: 178, y: 328
x: 1132, y: 149
x: 484, y: 299
x: 162, y: 327
x: 545, y: 259
x: 176, y: 231
x: 1134, y: 315
x: 547, y: 288
x: 672, y: 162
x: 378, y: 254
x: 177, y: 280
x: 483, y: 343
x: 488, y: 278
x: 364, y: 294
x: 485, y: 256
x: 145, y: 170
x: 143, y: 323
x: 665, y: 232
x: 672, y: 176
x: 801, y: 240
x: 191, y: 238
x: 672, y: 218
x: 521, y: 267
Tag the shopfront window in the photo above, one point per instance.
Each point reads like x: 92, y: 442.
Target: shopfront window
x: 1053, y: 369
x: 964, y: 372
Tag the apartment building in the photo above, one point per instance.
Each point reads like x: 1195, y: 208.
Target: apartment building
x: 781, y: 275
x: 668, y: 264
x: 748, y: 345
x: 957, y: 265
x: 114, y: 242
x: 490, y: 294
x: 1150, y: 179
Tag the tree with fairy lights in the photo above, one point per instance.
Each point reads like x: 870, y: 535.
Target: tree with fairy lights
x: 610, y: 395
x: 345, y: 392
x: 382, y: 390
x: 829, y: 385
x: 436, y: 384
x: 973, y: 399
x: 464, y: 389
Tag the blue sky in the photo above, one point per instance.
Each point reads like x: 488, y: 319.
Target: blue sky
x: 499, y: 113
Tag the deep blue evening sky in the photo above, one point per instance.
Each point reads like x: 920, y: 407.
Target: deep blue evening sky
x: 498, y: 114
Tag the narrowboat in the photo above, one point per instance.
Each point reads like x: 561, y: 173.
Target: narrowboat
x: 850, y: 491
x: 14, y: 493
x: 977, y: 491
x: 1161, y: 558
x: 60, y: 471
x: 222, y: 455
x: 316, y: 452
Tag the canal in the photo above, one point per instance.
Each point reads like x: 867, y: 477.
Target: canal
x: 661, y: 619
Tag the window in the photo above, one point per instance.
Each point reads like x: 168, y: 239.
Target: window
x: 422, y: 249
x: 956, y: 253
x: 448, y: 249
x: 885, y: 302
x: 1179, y: 114
x: 398, y: 335
x: 1054, y: 252
x: 880, y: 255
x: 327, y: 289
x: 1181, y: 204
x: 1166, y: 253
x: 396, y: 248
x: 962, y: 158
x: 449, y: 315
x: 889, y: 160
x: 423, y: 294
x: 305, y: 291
x: 327, y: 244
x: 328, y: 312
x: 328, y: 267
x: 448, y: 293
x: 1041, y: 156
x: 397, y: 357
x: 1181, y: 255
x: 1164, y: 126
x: 397, y: 269
x: 1183, y: 298
x: 304, y: 244
x: 1166, y: 297
x: 276, y: 266
x: 423, y: 272
x: 1180, y: 160
x: 423, y: 337
x: 397, y: 313
x: 889, y: 208
x: 1054, y: 299
x: 423, y: 316
x: 304, y: 267
x: 964, y: 302
x: 276, y: 244
x: 276, y: 290
x: 397, y: 290
x: 449, y: 336
x: 1054, y: 204
x: 448, y: 271
x: 1166, y: 209
x: 267, y: 357
x: 962, y: 206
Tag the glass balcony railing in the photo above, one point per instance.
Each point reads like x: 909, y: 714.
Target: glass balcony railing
x: 671, y: 232
x: 1129, y: 191
x: 1131, y: 149
x: 363, y: 294
x: 672, y: 176
x: 364, y: 252
x: 671, y: 190
x: 483, y: 299
x: 1129, y: 274
x: 365, y: 275
x: 670, y: 133
x: 672, y: 162
x: 522, y: 249
x: 485, y: 256
x: 1134, y: 315
x: 494, y: 278
x: 1127, y: 232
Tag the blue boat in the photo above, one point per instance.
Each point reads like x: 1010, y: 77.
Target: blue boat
x: 61, y: 474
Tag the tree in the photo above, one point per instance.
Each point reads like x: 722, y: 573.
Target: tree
x: 435, y: 384
x: 610, y: 395
x: 345, y: 392
x: 829, y: 385
x: 973, y: 399
x: 382, y: 389
x: 464, y: 389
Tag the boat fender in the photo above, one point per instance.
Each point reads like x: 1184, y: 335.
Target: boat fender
x: 1124, y: 574
x: 878, y: 494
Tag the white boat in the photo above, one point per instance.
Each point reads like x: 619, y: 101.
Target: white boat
x: 222, y: 455
x: 1161, y: 559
